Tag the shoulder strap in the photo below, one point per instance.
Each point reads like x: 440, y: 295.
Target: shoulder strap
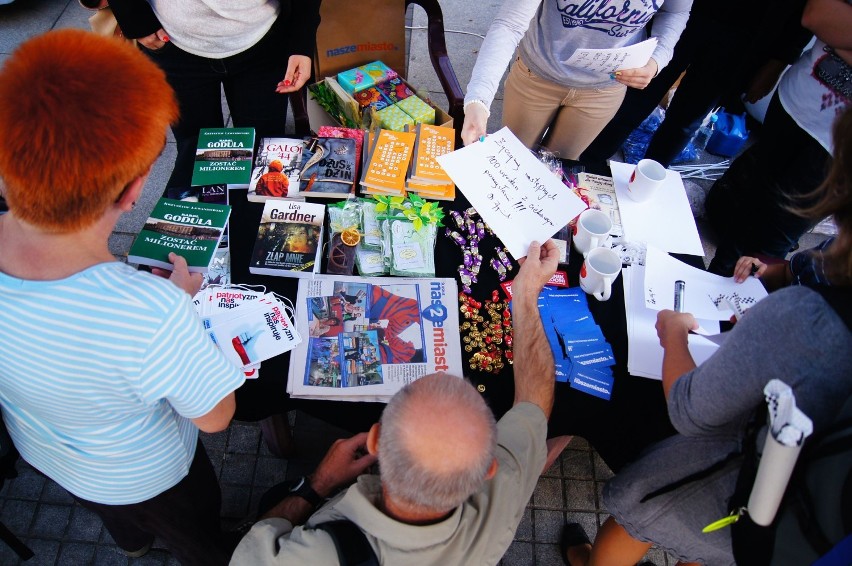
x: 353, y: 548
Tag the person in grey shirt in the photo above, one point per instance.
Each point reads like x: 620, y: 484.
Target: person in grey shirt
x: 453, y: 484
x: 544, y: 91
x: 799, y: 335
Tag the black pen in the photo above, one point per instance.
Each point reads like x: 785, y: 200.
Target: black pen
x: 680, y: 287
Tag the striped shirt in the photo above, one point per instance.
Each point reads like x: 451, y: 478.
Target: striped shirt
x: 99, y: 375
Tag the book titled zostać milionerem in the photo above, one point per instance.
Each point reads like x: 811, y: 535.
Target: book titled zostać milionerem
x: 223, y: 156
x: 289, y: 239
x: 190, y: 229
x: 276, y: 169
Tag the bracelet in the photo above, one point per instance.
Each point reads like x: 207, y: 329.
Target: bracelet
x: 479, y: 102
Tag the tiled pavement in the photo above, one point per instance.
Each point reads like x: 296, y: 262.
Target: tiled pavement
x: 46, y: 518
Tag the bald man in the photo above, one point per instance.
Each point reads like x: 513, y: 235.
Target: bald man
x: 453, y: 483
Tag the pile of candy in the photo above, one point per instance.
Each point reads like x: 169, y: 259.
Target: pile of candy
x: 487, y: 332
x: 470, y: 231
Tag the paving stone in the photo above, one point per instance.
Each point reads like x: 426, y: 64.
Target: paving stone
x: 525, y: 530
x: 28, y: 485
x: 269, y: 471
x: 51, y: 521
x: 547, y: 525
x: 155, y: 557
x: 602, y: 471
x: 7, y: 555
x: 110, y: 555
x: 577, y: 464
x: 85, y: 525
x: 17, y: 515
x: 214, y: 442
x: 580, y: 494
x: 519, y: 554
x: 76, y: 553
x: 45, y: 551
x: 238, y: 469
x: 548, y: 555
x: 243, y: 439
x: 235, y: 501
x: 589, y: 521
x: 548, y: 493
x: 55, y: 493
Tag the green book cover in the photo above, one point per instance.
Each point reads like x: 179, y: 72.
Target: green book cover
x: 190, y: 229
x: 223, y: 156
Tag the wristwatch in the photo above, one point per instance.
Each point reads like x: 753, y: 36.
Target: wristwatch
x: 304, y: 490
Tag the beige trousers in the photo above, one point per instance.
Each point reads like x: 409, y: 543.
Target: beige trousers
x: 575, y: 116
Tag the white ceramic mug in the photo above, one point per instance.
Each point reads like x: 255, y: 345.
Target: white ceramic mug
x: 599, y: 270
x: 592, y: 230
x: 645, y: 180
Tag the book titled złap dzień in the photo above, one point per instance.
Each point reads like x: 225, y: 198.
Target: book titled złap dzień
x: 289, y: 239
x: 190, y: 229
x: 223, y: 156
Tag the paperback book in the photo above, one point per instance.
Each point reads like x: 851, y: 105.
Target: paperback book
x: 216, y: 194
x: 190, y: 229
x: 289, y: 239
x: 328, y: 167
x: 276, y: 169
x: 223, y: 156
x: 388, y: 163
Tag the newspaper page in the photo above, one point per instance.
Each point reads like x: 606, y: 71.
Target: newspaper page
x: 367, y: 338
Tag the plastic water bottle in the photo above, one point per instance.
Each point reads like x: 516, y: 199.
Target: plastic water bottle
x: 705, y: 132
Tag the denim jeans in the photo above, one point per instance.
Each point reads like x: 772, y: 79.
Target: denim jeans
x: 248, y: 79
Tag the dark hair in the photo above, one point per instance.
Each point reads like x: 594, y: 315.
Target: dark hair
x: 834, y: 197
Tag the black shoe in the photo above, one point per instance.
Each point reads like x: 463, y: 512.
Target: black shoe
x: 573, y: 534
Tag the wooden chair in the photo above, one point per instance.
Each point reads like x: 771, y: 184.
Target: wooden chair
x: 440, y: 62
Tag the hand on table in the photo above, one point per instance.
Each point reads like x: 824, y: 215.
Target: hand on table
x: 154, y: 41
x: 298, y: 73
x: 748, y: 266
x: 475, y: 123
x: 638, y: 77
x: 345, y: 460
x: 536, y: 269
x: 673, y: 327
x: 180, y: 275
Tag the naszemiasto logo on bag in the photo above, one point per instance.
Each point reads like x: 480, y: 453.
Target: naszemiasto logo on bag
x: 356, y: 47
x: 613, y: 17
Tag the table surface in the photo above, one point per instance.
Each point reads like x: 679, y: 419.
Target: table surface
x: 619, y: 429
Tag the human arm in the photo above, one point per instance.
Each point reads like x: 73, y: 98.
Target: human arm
x: 180, y: 275
x: 830, y: 20
x: 136, y: 18
x: 506, y: 30
x: 667, y: 25
x: 773, y: 276
x: 345, y: 460
x: 219, y: 416
x: 298, y: 72
x: 673, y: 331
x: 533, y: 361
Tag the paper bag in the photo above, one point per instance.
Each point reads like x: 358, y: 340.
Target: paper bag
x: 354, y: 33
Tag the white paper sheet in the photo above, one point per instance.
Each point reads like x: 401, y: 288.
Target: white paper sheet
x: 644, y: 353
x: 519, y: 198
x: 664, y: 221
x: 609, y: 60
x: 706, y: 295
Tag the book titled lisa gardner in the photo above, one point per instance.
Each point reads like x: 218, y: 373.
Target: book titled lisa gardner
x: 289, y: 239
x: 190, y: 229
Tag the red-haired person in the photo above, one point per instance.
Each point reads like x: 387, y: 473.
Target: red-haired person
x: 106, y: 374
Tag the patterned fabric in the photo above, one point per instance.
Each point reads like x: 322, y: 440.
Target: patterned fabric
x: 100, y: 374
x: 400, y: 312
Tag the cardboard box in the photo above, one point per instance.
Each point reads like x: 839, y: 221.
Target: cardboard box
x: 318, y: 117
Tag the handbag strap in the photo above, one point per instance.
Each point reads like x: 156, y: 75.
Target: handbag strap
x: 353, y: 548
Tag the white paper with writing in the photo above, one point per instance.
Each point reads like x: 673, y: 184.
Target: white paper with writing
x: 519, y: 198
x: 664, y: 221
x: 610, y: 60
x: 706, y: 295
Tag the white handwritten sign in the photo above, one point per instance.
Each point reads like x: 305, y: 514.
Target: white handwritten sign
x: 514, y: 192
x: 611, y: 60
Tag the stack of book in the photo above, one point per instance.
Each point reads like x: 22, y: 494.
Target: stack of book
x: 386, y: 162
x: 328, y: 167
x: 426, y: 177
x: 224, y: 156
x: 276, y: 169
x: 289, y: 239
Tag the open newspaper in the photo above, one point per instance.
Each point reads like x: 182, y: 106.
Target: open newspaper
x: 367, y: 338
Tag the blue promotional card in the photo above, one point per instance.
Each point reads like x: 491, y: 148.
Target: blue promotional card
x: 594, y: 382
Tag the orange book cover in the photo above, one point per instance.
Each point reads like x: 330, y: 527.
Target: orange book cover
x: 432, y: 141
x: 388, y: 163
